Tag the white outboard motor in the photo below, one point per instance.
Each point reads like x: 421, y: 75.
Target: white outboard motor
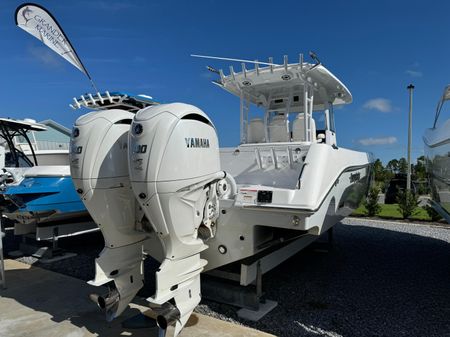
x: 175, y: 174
x: 99, y: 168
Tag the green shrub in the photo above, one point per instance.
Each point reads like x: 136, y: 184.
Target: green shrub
x: 371, y: 202
x: 407, y: 203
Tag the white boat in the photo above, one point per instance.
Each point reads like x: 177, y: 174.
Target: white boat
x: 12, y: 134
x: 437, y: 149
x: 163, y: 188
x: 50, y: 157
x: 51, y: 152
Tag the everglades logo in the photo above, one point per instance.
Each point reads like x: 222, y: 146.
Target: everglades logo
x: 197, y: 142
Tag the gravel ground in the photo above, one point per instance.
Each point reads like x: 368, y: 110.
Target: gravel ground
x: 378, y: 279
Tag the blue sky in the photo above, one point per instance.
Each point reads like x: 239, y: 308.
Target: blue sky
x: 375, y: 47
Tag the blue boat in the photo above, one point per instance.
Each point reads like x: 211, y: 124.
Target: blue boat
x: 37, y: 199
x: 45, y: 202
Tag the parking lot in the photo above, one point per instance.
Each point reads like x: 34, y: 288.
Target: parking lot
x: 378, y: 279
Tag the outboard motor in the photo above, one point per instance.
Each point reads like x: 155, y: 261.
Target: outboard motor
x: 99, y: 168
x: 176, y: 178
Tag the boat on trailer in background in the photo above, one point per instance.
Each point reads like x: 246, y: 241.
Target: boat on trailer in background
x: 23, y: 137
x: 43, y: 199
x: 437, y: 151
x: 12, y: 156
x: 157, y: 184
x: 37, y: 199
x: 52, y: 150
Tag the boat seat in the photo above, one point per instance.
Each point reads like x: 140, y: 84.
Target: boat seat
x: 298, y: 129
x: 255, y: 131
x: 277, y: 130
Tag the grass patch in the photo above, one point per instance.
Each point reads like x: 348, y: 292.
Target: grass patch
x: 391, y: 212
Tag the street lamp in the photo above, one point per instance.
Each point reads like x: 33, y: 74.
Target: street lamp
x: 408, y: 177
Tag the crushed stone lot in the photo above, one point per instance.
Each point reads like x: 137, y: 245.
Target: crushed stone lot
x: 378, y: 279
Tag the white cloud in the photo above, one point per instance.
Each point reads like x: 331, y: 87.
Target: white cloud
x: 380, y: 104
x: 208, y: 75
x: 377, y: 141
x: 139, y: 59
x: 102, y: 60
x: 414, y: 73
x: 136, y: 59
x: 150, y: 86
x: 44, y: 55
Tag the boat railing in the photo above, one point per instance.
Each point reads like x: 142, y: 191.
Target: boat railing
x: 112, y: 100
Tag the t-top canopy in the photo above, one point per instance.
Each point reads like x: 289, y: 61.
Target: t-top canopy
x: 274, y: 85
x: 25, y: 125
x: 113, y: 100
x: 10, y: 128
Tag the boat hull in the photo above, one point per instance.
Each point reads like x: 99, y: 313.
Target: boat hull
x: 437, y: 151
x: 312, y: 205
x: 51, y: 157
x: 45, y: 201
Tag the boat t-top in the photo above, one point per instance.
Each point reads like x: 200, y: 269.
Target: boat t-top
x: 10, y: 129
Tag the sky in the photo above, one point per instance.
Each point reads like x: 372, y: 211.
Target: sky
x: 376, y: 48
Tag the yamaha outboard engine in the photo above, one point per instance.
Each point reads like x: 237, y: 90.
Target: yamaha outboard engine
x: 99, y: 168
x: 175, y: 176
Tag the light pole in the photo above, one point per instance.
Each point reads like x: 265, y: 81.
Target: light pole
x: 408, y: 177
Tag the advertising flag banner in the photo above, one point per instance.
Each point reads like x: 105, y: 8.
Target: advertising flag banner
x: 37, y: 21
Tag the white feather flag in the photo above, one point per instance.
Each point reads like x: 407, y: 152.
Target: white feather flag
x: 37, y: 21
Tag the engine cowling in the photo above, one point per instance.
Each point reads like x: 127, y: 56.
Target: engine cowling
x: 99, y: 168
x: 174, y: 169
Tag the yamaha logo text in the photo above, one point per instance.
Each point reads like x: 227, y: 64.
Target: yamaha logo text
x: 197, y: 142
